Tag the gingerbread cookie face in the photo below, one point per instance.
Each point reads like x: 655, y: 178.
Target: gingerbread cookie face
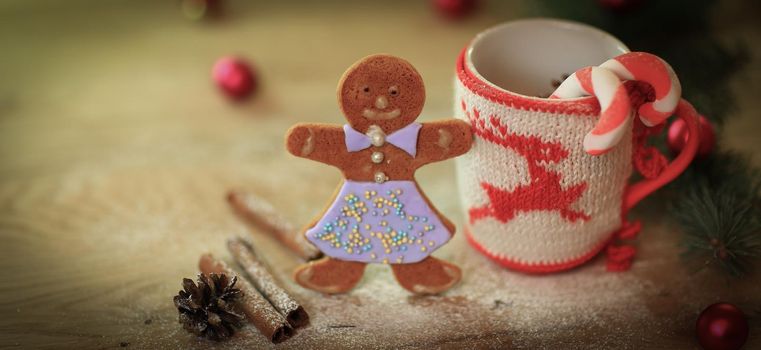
x: 381, y: 90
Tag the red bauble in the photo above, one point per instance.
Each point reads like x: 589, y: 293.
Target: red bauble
x: 620, y: 6
x: 455, y: 9
x: 234, y: 76
x: 722, y: 326
x: 678, y: 134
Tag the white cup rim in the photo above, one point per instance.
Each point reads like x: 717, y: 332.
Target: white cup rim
x: 570, y: 25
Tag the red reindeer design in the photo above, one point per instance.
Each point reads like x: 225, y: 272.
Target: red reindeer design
x: 543, y: 193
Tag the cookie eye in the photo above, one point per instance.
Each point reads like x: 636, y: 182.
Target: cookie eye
x: 366, y: 89
x: 393, y: 91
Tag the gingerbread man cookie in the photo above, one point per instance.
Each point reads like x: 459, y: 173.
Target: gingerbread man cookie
x: 379, y: 214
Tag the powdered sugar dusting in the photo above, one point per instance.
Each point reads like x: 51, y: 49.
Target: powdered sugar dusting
x: 491, y: 306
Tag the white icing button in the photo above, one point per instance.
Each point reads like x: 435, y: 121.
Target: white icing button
x: 377, y: 157
x: 377, y: 137
x: 380, y: 177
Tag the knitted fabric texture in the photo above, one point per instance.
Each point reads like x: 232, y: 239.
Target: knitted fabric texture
x: 533, y: 198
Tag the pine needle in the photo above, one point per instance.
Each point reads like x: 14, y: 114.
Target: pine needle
x: 722, y: 226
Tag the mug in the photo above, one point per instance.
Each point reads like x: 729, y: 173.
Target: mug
x: 534, y: 200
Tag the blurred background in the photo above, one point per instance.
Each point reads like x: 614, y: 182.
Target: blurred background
x: 80, y: 66
x: 118, y: 142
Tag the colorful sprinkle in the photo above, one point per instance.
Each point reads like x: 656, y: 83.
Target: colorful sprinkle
x: 348, y: 233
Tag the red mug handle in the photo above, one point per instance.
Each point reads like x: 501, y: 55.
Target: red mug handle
x: 638, y: 191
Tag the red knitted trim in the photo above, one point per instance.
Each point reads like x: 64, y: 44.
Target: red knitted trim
x: 587, y: 106
x: 538, y: 268
x: 620, y: 258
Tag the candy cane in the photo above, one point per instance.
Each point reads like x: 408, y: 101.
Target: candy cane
x: 615, y: 107
x: 648, y: 68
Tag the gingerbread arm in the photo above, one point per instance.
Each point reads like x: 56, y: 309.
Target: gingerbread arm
x: 443, y: 139
x: 321, y: 142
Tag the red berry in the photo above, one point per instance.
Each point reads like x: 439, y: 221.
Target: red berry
x: 455, y: 9
x: 678, y: 135
x: 722, y: 326
x: 234, y: 76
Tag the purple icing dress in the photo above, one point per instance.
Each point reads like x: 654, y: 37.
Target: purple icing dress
x: 382, y: 221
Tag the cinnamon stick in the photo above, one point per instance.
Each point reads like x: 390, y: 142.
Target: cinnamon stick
x: 262, y: 214
x: 245, y: 256
x: 256, y: 308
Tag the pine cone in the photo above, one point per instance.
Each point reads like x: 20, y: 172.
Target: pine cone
x: 208, y: 309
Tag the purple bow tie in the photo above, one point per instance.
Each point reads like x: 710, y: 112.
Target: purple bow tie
x: 404, y: 138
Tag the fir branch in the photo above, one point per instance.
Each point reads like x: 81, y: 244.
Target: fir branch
x: 722, y: 226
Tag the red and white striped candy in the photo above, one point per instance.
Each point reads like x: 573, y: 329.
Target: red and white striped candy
x: 648, y: 68
x: 615, y: 107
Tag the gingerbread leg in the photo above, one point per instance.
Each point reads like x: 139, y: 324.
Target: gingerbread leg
x: 430, y: 276
x: 330, y: 276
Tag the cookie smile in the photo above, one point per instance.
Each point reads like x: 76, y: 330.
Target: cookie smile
x: 373, y: 114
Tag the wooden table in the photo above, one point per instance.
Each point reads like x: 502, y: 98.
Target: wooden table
x: 116, y: 151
